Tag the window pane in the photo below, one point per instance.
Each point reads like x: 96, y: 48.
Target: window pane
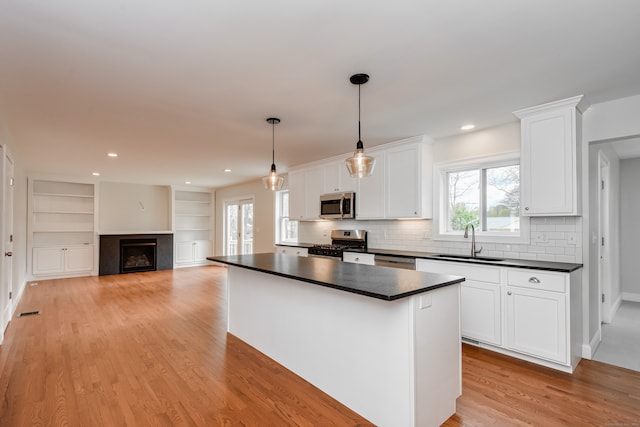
x: 503, y: 199
x: 464, y: 199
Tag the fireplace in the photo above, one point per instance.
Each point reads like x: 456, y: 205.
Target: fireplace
x: 138, y: 255
x: 110, y: 250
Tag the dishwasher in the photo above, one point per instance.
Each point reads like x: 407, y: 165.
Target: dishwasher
x: 395, y: 261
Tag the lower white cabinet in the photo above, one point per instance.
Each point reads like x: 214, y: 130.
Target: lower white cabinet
x: 537, y: 314
x: 480, y: 298
x: 358, y: 258
x: 531, y: 314
x: 192, y: 253
x: 62, y: 260
x: 292, y: 250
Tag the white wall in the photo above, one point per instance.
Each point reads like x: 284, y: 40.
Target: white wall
x: 630, y: 224
x: 263, y: 214
x: 133, y: 208
x: 602, y: 122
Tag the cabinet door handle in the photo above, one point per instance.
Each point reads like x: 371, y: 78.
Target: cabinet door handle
x: 8, y: 254
x: 526, y: 208
x: 509, y: 293
x: 357, y: 259
x: 534, y: 280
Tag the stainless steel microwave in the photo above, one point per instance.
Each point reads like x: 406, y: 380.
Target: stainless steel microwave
x: 338, y: 205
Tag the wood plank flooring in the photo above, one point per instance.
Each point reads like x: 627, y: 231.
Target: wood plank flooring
x: 151, y: 349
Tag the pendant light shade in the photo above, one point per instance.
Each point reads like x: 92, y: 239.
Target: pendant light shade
x: 360, y: 165
x: 273, y: 181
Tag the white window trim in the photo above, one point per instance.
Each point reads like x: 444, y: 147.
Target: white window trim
x: 279, y: 216
x: 440, y: 171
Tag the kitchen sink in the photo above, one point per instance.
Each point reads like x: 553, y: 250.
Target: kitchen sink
x: 469, y: 257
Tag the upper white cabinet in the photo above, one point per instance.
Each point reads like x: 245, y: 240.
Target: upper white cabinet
x: 305, y: 187
x: 550, y: 158
x: 400, y: 186
x: 62, y: 228
x: 408, y: 170
x: 193, y: 226
x: 337, y: 178
x: 370, y: 193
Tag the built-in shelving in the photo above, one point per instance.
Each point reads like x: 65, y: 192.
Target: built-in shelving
x: 62, y: 224
x: 193, y: 227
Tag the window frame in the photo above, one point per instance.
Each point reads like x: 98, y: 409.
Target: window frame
x: 441, y: 203
x: 281, y: 216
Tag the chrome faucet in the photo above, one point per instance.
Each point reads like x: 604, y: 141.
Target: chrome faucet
x: 473, y: 239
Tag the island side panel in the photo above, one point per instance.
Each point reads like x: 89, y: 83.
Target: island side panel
x: 357, y: 349
x: 438, y: 354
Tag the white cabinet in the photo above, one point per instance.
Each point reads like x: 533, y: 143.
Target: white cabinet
x: 62, y: 228
x: 305, y: 188
x: 292, y: 250
x: 370, y: 194
x: 358, y: 258
x: 62, y: 260
x: 531, y: 314
x: 537, y: 314
x: 408, y: 181
x: 192, y: 253
x: 480, y: 298
x: 400, y: 186
x: 550, y: 158
x: 337, y: 178
x: 193, y: 226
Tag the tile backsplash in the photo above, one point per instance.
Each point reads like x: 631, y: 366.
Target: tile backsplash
x: 556, y: 239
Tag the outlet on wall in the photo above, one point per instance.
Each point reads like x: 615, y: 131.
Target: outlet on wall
x: 541, y: 238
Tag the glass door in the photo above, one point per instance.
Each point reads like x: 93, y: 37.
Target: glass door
x: 239, y: 227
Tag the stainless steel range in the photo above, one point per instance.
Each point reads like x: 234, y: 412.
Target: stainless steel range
x: 341, y: 240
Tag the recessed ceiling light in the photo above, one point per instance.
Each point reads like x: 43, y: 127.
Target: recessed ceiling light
x: 112, y: 154
x: 187, y: 182
x: 467, y: 127
x: 96, y: 174
x: 227, y: 170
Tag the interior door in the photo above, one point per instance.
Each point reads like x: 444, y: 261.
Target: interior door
x: 238, y: 227
x: 6, y: 279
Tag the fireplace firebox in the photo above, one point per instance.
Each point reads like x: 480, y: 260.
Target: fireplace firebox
x: 138, y: 255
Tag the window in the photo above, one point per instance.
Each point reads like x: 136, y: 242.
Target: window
x: 484, y: 193
x: 286, y: 230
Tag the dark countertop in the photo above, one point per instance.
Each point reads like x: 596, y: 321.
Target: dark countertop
x: 297, y: 245
x: 385, y: 283
x: 562, y: 267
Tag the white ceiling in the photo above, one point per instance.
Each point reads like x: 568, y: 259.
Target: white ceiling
x: 182, y: 89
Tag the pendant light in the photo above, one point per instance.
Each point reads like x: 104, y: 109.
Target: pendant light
x: 360, y: 165
x: 273, y: 181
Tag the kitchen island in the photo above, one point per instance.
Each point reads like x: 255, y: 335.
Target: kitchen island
x: 383, y: 341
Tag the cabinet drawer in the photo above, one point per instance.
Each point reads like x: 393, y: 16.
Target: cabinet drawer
x: 536, y: 279
x: 470, y: 272
x: 358, y: 258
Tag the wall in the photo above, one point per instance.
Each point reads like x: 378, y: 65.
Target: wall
x: 263, y: 214
x: 630, y: 212
x: 601, y: 123
x: 133, y: 208
x: 415, y: 235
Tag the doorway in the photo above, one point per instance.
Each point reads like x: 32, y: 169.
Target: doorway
x: 238, y: 227
x: 6, y: 231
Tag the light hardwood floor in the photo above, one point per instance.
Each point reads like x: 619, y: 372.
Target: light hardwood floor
x: 152, y: 349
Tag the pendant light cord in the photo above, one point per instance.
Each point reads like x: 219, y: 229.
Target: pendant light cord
x: 359, y: 136
x: 273, y: 142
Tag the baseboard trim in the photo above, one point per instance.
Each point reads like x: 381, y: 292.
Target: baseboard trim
x: 588, y: 350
